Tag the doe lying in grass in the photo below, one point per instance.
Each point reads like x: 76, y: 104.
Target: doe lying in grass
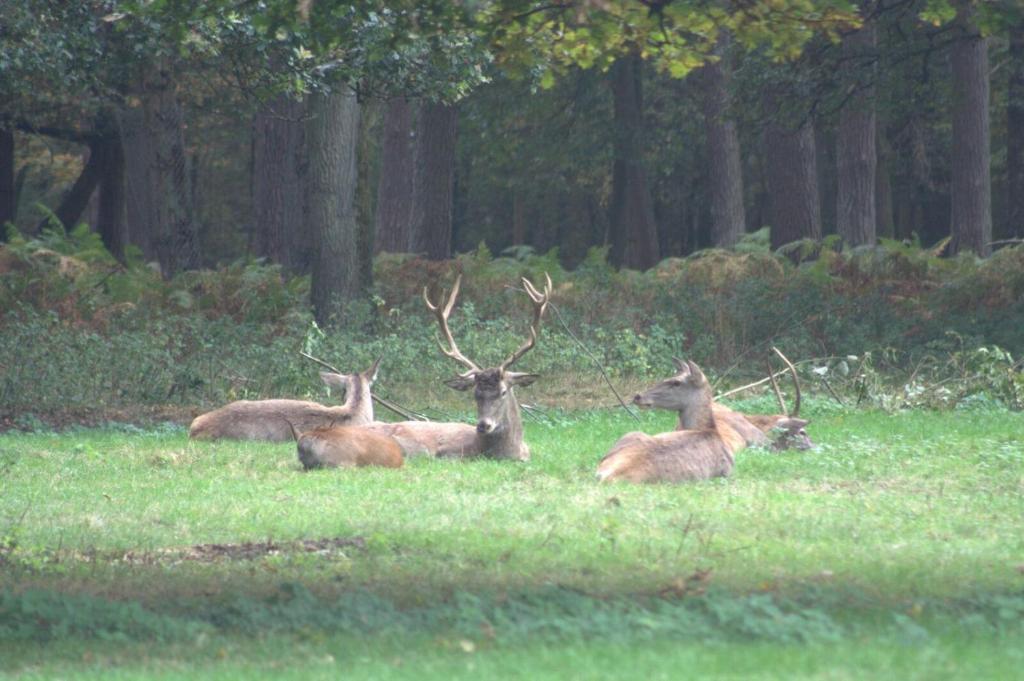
x: 262, y: 419
x: 744, y: 430
x: 345, y: 447
x: 698, y: 453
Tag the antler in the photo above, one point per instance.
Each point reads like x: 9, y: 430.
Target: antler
x: 775, y: 387
x: 796, y: 381
x: 540, y: 305
x: 442, y: 312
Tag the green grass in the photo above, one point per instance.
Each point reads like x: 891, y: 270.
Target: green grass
x: 897, y: 544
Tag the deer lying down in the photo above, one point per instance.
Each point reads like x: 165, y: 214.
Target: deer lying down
x: 780, y: 431
x: 499, y: 429
x: 346, y: 447
x: 343, y: 447
x: 698, y: 453
x: 264, y: 419
x: 426, y: 438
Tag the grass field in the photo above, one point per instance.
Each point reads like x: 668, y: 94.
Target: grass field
x: 895, y: 549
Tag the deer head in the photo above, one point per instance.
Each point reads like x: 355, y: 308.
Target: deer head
x: 351, y: 383
x: 789, y: 428
x: 496, y: 407
x: 687, y: 389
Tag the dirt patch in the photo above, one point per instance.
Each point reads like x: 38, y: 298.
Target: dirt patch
x: 212, y: 553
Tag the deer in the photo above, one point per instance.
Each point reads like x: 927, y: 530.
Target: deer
x: 703, y: 450
x: 751, y: 429
x: 344, y: 447
x: 262, y: 419
x: 498, y: 433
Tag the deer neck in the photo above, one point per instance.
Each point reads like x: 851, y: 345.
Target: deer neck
x: 508, y: 442
x: 699, y: 415
x: 358, y: 402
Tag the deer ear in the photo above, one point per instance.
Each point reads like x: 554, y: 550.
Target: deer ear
x: 516, y: 378
x: 679, y: 364
x: 336, y: 381
x: 371, y: 373
x: 463, y: 381
x: 695, y: 371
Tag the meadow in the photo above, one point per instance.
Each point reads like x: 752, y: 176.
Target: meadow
x: 893, y: 549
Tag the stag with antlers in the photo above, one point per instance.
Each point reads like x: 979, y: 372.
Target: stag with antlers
x: 499, y: 429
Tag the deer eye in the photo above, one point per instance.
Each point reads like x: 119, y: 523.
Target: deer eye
x: 674, y: 382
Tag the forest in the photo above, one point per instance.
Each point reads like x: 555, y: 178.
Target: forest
x: 334, y: 333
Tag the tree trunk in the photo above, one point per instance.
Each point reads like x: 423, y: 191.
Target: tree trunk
x: 518, y: 218
x: 279, y: 232
x: 136, y: 147
x: 725, y: 170
x: 161, y: 214
x: 792, y: 181
x: 634, y: 233
x: 77, y: 198
x: 8, y: 197
x: 885, y: 222
x: 332, y: 135
x: 395, y: 188
x: 110, y: 219
x: 970, y: 181
x: 1015, y: 134
x: 434, y: 176
x: 856, y: 153
x: 368, y: 178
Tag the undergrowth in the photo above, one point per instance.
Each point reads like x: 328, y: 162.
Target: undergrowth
x: 893, y: 325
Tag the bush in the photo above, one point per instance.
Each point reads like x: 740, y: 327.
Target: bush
x: 80, y: 330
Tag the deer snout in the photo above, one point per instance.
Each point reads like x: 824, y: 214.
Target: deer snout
x: 485, y: 426
x: 639, y: 400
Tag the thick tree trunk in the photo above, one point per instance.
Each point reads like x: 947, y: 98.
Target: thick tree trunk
x: 970, y: 181
x: 518, y: 219
x: 1015, y: 135
x: 434, y: 176
x: 792, y: 180
x: 395, y: 188
x: 885, y: 222
x: 332, y: 135
x: 161, y: 214
x: 279, y: 232
x: 856, y: 152
x: 634, y: 233
x: 110, y: 220
x: 8, y: 198
x: 725, y: 170
x: 368, y: 174
x: 136, y: 148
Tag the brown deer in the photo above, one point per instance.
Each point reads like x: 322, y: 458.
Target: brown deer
x: 344, y: 447
x: 263, y: 419
x: 753, y: 429
x: 499, y: 429
x: 699, y: 452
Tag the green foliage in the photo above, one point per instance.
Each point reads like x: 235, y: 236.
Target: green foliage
x: 209, y: 336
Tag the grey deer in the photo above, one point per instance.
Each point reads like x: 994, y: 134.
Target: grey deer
x: 266, y: 419
x: 703, y: 450
x: 498, y: 433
